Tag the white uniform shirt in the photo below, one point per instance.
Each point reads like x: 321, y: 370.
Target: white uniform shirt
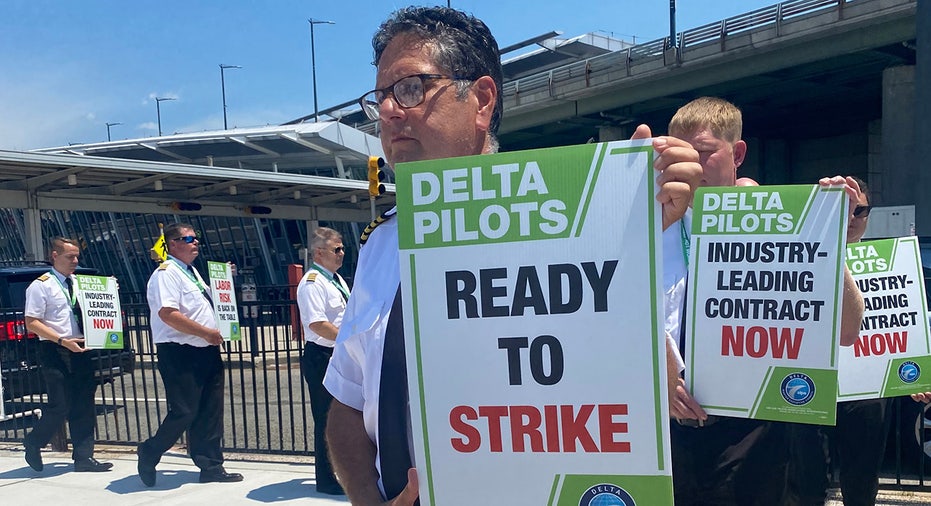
x: 676, y: 240
x: 172, y: 286
x: 354, y: 374
x: 319, y: 300
x: 47, y: 300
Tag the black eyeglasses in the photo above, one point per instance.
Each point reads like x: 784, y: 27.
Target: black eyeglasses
x: 407, y: 92
x: 339, y: 250
x: 186, y: 239
x: 862, y: 211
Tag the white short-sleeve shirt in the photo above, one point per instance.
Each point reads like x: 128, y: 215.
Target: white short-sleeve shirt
x: 676, y: 242
x: 172, y: 286
x: 319, y: 300
x: 354, y: 374
x: 47, y: 301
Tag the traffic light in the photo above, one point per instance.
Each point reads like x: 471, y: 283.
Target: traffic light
x: 376, y: 176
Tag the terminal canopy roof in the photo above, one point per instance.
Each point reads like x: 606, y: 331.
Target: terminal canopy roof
x: 312, y: 171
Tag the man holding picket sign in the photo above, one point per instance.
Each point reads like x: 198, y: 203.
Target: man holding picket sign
x: 733, y: 459
x: 438, y: 96
x: 186, y: 335
x: 52, y: 312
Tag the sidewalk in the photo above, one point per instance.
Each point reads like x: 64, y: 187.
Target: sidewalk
x: 266, y: 481
x: 270, y: 479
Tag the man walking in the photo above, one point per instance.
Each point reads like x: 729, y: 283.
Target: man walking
x: 184, y: 330
x: 52, y: 313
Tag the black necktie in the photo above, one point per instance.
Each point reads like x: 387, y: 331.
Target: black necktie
x: 203, y: 290
x: 685, y: 303
x: 75, y: 308
x: 342, y: 283
x: 393, y: 448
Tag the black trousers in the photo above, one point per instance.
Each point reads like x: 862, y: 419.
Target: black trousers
x: 314, y: 362
x: 193, y: 378
x: 859, y: 441
x: 733, y: 461
x: 69, y: 380
x: 807, y: 471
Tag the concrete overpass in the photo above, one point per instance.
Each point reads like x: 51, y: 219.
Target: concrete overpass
x: 826, y: 86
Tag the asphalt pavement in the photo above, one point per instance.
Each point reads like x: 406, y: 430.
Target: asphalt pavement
x: 269, y: 479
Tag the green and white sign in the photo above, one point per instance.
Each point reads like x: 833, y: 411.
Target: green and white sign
x: 223, y: 294
x: 765, y: 285
x: 99, y: 299
x: 535, y: 349
x: 892, y: 356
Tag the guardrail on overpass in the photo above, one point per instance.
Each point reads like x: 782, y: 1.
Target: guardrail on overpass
x: 738, y: 33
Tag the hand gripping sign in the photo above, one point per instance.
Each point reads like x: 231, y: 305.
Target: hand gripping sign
x: 891, y: 356
x: 533, y: 327
x: 763, y: 321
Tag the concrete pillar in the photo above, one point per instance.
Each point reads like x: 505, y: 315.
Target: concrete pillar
x: 32, y: 238
x: 873, y: 175
x: 897, y: 183
x: 310, y: 226
x: 922, y: 121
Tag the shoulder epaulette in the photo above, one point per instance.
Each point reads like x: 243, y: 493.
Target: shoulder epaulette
x: 311, y: 277
x: 385, y: 216
x: 44, y: 277
x: 163, y: 266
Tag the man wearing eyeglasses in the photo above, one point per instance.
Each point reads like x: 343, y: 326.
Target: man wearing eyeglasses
x: 185, y: 333
x: 438, y: 95
x: 321, y: 299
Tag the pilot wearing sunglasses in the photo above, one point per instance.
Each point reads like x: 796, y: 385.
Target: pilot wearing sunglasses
x: 321, y: 298
x: 187, y: 340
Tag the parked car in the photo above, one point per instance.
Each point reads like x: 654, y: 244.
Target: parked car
x: 19, y: 362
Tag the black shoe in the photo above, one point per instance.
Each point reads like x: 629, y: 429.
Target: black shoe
x: 219, y: 476
x: 334, y: 489
x: 91, y: 465
x: 34, y: 458
x: 145, y: 468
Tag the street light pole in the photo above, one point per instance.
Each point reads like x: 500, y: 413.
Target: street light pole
x: 108, y: 129
x: 158, y: 111
x: 223, y: 89
x: 313, y: 61
x: 672, y: 24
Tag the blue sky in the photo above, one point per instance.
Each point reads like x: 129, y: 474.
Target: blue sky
x: 68, y: 67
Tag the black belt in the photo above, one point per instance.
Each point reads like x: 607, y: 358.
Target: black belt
x: 330, y: 348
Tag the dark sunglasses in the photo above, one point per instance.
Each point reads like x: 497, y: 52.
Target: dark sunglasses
x: 339, y: 250
x: 862, y: 211
x: 186, y: 239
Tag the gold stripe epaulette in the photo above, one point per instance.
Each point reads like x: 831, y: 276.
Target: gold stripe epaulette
x: 372, y: 226
x: 311, y: 277
x: 44, y: 277
x: 163, y: 266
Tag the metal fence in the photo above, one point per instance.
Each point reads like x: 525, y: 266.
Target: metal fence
x: 267, y: 408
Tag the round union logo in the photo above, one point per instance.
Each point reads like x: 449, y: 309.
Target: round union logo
x: 606, y: 494
x: 113, y: 337
x: 798, y: 389
x: 909, y: 372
